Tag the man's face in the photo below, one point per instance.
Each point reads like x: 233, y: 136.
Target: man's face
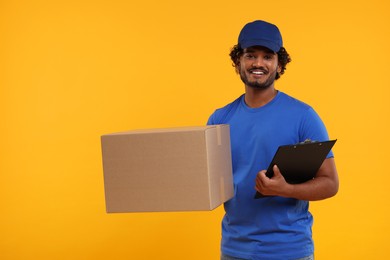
x: 258, y: 67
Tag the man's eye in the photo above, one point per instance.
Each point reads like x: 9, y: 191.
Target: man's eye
x: 249, y: 56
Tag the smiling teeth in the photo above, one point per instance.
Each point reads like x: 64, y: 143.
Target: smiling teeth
x: 258, y: 72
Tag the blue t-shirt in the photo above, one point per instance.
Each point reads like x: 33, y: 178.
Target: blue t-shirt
x: 271, y: 227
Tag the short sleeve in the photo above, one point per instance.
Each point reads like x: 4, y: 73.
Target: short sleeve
x: 313, y: 128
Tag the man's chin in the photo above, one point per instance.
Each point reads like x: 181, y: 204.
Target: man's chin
x: 257, y: 86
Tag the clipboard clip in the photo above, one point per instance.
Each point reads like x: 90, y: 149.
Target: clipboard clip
x: 308, y: 141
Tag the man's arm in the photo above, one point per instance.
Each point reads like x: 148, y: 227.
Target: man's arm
x: 324, y: 185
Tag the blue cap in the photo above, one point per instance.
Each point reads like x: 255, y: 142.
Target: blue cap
x: 260, y: 33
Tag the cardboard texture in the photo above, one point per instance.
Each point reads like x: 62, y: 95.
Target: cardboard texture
x: 173, y: 169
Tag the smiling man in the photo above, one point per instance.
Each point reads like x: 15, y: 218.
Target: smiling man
x: 251, y: 66
x: 277, y: 226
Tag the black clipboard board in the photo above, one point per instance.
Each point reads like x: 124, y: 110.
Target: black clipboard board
x: 299, y: 163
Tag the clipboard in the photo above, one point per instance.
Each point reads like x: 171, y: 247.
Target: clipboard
x: 299, y: 163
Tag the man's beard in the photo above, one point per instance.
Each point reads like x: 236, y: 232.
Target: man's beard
x: 257, y: 85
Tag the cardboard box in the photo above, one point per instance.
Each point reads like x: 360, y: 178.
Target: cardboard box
x: 174, y: 169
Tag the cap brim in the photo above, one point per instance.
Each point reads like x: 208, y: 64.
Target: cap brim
x: 260, y: 42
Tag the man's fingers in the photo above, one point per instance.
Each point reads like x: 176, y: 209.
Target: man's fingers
x: 276, y: 170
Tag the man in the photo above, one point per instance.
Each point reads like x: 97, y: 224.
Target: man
x: 277, y: 226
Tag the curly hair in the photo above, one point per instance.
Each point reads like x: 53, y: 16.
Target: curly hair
x: 283, y: 58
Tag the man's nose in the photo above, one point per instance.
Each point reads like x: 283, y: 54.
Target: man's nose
x: 258, y: 62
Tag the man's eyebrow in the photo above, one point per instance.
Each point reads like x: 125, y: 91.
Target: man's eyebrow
x: 249, y: 50
x: 270, y: 51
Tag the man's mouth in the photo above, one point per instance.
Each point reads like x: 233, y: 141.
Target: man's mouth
x: 258, y: 72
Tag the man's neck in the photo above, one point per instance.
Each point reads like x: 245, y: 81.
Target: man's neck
x: 255, y: 98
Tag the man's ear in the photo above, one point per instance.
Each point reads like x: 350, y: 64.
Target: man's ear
x: 237, y: 67
x: 279, y: 69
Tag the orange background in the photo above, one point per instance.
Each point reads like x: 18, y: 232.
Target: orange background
x: 71, y: 71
